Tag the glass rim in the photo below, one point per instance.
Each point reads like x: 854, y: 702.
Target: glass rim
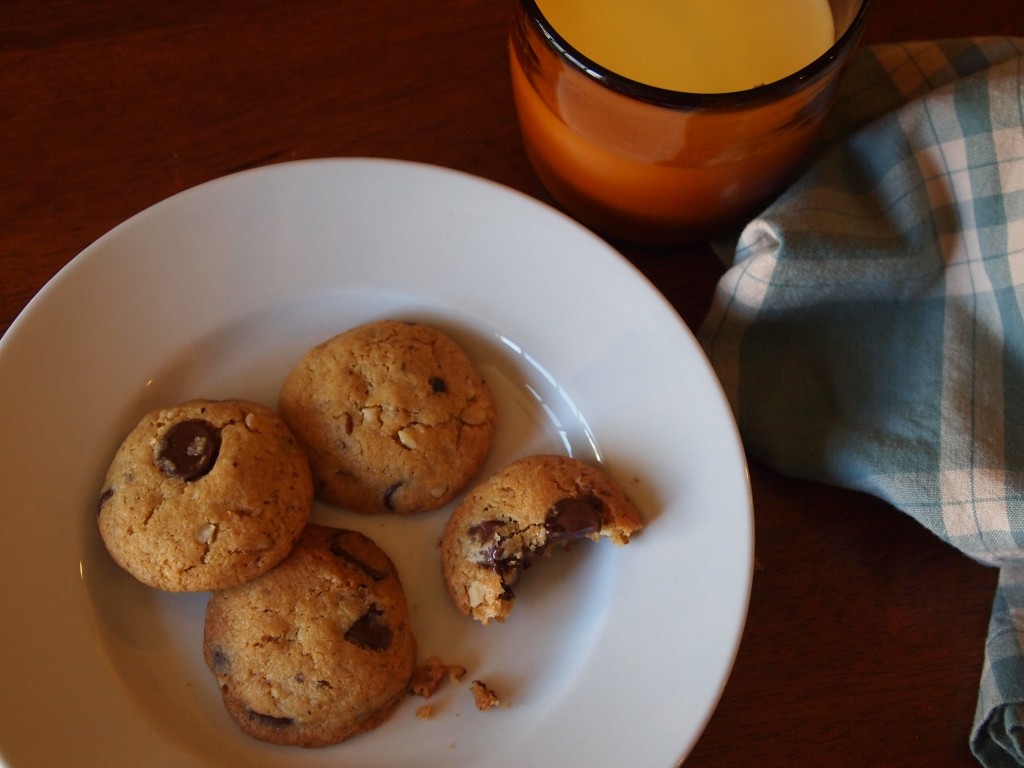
x: 665, y: 97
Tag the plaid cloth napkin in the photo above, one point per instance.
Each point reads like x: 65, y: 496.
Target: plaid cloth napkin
x: 869, y: 329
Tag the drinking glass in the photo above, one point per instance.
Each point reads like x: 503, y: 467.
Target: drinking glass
x: 653, y: 165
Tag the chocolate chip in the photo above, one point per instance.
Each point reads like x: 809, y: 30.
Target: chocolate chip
x: 493, y: 554
x: 573, y: 518
x: 104, y: 498
x: 188, y: 449
x: 221, y: 662
x: 492, y: 537
x: 269, y: 720
x: 487, y: 531
x: 437, y: 384
x: 369, y: 631
x: 338, y: 550
x: 389, y: 493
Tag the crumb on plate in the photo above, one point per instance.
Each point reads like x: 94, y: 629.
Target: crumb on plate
x: 485, y: 698
x: 427, y: 678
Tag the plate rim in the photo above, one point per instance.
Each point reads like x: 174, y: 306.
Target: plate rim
x: 22, y: 326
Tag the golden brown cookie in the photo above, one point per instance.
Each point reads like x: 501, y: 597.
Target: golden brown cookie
x: 520, y: 513
x: 205, y: 495
x: 394, y: 416
x: 317, y: 650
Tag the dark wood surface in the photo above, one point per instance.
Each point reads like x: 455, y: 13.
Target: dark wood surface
x: 865, y: 636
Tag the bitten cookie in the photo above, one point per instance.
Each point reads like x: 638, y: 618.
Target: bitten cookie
x: 394, y: 416
x: 520, y: 513
x: 205, y: 495
x: 317, y: 650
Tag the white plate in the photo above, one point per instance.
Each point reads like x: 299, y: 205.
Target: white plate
x: 612, y: 656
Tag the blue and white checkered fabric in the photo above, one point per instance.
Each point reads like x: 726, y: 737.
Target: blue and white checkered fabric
x: 869, y: 331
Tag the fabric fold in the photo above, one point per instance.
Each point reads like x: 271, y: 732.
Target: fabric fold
x: 997, y: 738
x: 868, y: 330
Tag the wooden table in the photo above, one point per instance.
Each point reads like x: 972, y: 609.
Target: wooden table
x: 865, y: 636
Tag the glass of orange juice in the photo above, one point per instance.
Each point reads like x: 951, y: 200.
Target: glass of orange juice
x: 671, y: 121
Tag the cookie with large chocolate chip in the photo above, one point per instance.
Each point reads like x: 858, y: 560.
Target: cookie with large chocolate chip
x: 205, y: 495
x: 395, y: 417
x: 317, y: 650
x: 520, y: 513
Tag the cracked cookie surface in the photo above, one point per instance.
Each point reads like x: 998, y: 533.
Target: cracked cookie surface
x: 317, y: 650
x: 204, y: 495
x: 520, y: 513
x: 394, y: 416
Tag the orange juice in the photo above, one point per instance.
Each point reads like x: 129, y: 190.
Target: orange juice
x: 655, y: 164
x: 699, y: 46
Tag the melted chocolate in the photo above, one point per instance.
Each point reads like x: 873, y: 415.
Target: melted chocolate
x: 574, y: 517
x: 437, y: 384
x: 189, y: 449
x: 493, y: 555
x: 492, y: 538
x: 490, y: 534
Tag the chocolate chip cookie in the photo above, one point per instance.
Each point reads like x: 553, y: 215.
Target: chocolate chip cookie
x: 318, y: 649
x: 394, y: 416
x: 520, y: 513
x: 204, y: 495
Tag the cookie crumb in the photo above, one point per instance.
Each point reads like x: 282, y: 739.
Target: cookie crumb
x: 427, y: 678
x: 456, y: 673
x: 424, y: 712
x: 484, y: 697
